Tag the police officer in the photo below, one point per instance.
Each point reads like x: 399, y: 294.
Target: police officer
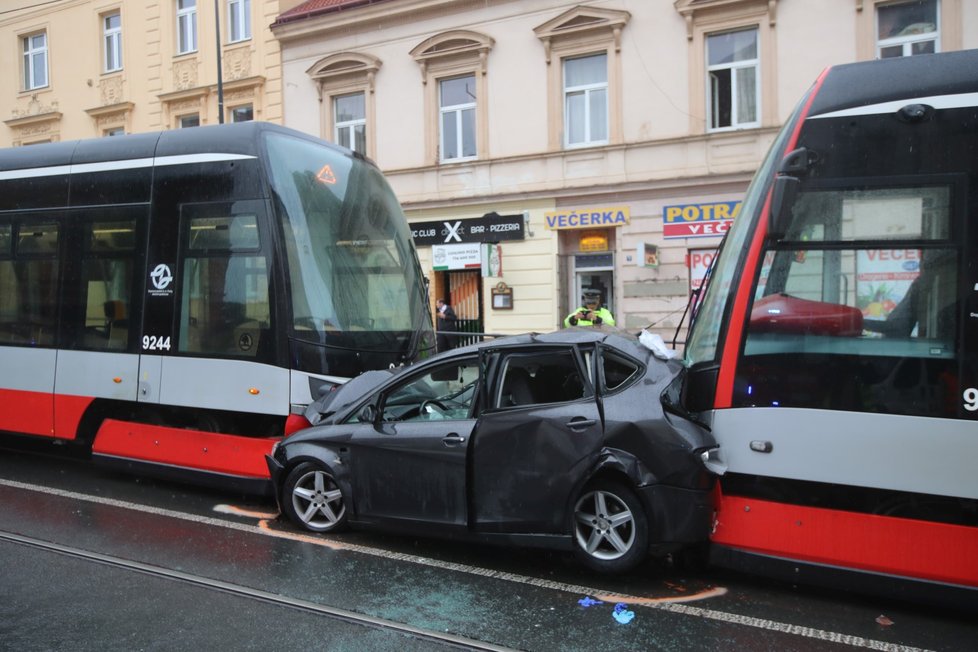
x: 592, y: 313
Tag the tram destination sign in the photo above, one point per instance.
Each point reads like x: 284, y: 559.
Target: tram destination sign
x: 491, y: 227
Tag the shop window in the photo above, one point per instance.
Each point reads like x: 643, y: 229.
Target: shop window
x: 454, y: 66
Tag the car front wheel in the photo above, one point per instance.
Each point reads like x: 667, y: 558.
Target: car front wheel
x: 313, y: 500
x: 610, y: 530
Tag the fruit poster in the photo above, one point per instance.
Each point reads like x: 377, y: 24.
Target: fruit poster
x: 883, y: 277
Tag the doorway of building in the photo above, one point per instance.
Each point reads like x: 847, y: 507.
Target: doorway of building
x: 595, y: 272
x: 462, y: 290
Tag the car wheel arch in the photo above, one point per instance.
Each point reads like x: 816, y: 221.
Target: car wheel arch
x: 325, y: 457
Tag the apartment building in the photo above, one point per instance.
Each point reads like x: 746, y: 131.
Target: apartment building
x: 539, y: 147
x: 84, y: 68
x: 609, y: 142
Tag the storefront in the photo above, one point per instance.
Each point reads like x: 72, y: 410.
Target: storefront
x: 493, y: 263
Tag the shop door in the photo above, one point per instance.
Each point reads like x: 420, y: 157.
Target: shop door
x: 465, y: 297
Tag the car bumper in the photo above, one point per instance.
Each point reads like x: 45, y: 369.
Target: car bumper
x: 678, y: 515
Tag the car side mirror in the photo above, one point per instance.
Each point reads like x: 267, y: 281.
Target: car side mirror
x: 368, y: 414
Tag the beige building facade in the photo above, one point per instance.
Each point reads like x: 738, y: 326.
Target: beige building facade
x: 84, y: 68
x: 625, y: 132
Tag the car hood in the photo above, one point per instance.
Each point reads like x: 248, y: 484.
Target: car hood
x: 346, y: 394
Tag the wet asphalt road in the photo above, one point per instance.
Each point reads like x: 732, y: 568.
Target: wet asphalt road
x: 92, y: 560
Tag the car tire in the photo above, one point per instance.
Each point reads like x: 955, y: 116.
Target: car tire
x: 313, y: 500
x: 610, y: 529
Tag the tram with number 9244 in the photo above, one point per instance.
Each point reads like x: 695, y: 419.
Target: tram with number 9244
x: 834, y: 353
x: 174, y: 300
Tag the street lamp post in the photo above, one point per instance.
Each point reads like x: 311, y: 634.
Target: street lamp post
x: 220, y: 79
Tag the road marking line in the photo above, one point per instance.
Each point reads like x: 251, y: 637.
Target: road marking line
x: 672, y: 606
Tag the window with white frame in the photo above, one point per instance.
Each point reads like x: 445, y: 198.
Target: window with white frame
x: 733, y: 84
x: 457, y: 102
x: 243, y: 113
x: 586, y: 100
x: 239, y: 20
x: 112, y: 41
x: 35, y: 61
x: 350, y: 121
x: 186, y: 26
x: 907, y: 28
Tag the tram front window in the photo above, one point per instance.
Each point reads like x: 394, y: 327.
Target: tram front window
x: 357, y: 299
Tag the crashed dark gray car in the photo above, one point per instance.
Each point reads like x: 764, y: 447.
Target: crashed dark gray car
x: 565, y: 440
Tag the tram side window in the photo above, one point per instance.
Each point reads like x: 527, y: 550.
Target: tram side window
x: 28, y: 284
x: 225, y: 307
x: 857, y: 308
x: 107, y: 271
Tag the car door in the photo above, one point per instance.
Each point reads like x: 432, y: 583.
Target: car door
x: 409, y: 463
x: 536, y: 441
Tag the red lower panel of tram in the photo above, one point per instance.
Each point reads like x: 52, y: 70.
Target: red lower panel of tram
x: 191, y: 449
x: 901, y: 547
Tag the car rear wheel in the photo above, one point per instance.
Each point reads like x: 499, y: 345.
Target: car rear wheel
x: 610, y: 529
x: 313, y: 500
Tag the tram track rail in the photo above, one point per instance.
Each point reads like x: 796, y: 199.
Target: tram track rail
x: 450, y: 641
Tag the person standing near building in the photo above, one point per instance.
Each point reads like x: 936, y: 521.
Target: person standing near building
x: 447, y: 324
x: 592, y: 313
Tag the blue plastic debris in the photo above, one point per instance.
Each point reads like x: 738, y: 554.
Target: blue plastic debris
x: 588, y: 601
x: 622, y: 613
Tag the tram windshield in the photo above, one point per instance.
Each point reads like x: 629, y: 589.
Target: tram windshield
x: 350, y: 259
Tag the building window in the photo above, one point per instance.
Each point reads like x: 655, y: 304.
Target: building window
x: 112, y: 42
x: 242, y: 113
x: 586, y: 100
x: 733, y: 68
x: 907, y: 28
x: 454, y: 68
x: 239, y: 20
x: 186, y: 26
x: 350, y: 121
x: 457, y: 102
x: 192, y: 120
x: 35, y: 61
x: 346, y: 94
x: 114, y: 131
x: 582, y: 50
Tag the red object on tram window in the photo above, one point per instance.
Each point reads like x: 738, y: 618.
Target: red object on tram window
x: 781, y: 313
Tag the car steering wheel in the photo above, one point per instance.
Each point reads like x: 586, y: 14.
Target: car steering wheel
x: 432, y: 401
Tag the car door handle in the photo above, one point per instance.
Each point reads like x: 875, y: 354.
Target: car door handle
x: 580, y: 423
x: 453, y: 439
